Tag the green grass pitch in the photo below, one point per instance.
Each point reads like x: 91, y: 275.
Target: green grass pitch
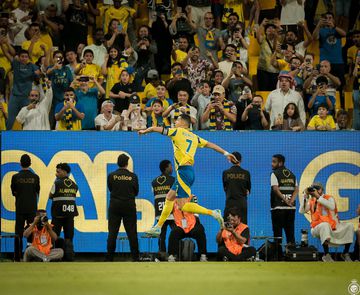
x: 187, y: 278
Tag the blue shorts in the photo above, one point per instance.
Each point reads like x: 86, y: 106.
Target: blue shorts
x: 185, y: 178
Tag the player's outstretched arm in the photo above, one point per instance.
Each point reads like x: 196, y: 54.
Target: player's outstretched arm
x: 151, y: 129
x: 220, y: 150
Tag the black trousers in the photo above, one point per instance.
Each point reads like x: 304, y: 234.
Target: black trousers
x: 162, y: 238
x: 240, y: 204
x: 19, y: 231
x: 122, y: 211
x: 177, y: 234
x: 283, y: 219
x: 245, y: 254
x: 65, y: 223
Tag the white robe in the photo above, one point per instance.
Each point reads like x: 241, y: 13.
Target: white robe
x: 344, y: 233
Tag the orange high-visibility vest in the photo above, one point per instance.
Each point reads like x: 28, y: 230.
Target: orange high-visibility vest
x: 317, y: 216
x: 180, y: 215
x: 230, y: 242
x: 42, y: 240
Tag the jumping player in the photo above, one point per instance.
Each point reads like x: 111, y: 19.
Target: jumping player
x: 185, y: 144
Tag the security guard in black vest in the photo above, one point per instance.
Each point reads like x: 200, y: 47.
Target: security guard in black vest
x: 237, y: 186
x: 284, y: 190
x: 63, y: 208
x: 25, y: 187
x: 124, y: 187
x: 160, y: 187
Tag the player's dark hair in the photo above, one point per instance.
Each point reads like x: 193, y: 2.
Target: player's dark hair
x: 64, y: 166
x: 123, y: 160
x: 186, y: 118
x: 280, y: 158
x: 163, y: 165
x: 25, y: 161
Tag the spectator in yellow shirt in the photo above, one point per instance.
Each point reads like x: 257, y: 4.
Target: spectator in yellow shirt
x: 88, y: 68
x: 322, y: 121
x: 35, y: 45
x: 3, y: 112
x: 119, y: 12
x: 287, y: 51
x: 179, y: 50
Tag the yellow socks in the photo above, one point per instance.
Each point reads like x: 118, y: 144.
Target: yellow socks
x: 168, y: 207
x: 195, y: 208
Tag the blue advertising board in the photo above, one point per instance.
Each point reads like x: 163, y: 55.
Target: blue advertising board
x: 330, y: 157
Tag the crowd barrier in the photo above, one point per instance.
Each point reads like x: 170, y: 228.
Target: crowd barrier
x: 330, y: 157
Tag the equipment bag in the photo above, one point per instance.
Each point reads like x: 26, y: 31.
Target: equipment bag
x: 186, y: 250
x: 298, y: 253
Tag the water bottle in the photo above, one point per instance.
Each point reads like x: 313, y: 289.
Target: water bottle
x: 304, y: 238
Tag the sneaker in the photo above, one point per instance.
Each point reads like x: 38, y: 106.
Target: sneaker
x: 217, y: 215
x: 155, y: 231
x: 327, y: 258
x: 346, y: 257
x: 203, y: 258
x: 225, y: 258
x: 171, y: 258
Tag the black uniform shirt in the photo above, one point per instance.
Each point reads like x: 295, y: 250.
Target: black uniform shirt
x: 236, y: 182
x: 123, y: 185
x: 25, y: 187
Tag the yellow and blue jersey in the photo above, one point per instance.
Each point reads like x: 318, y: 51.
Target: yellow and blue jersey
x: 185, y: 144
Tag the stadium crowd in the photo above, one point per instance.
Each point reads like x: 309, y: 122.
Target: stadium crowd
x: 230, y: 65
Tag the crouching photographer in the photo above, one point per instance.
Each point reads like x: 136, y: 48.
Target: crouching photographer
x: 43, y: 238
x: 325, y: 223
x: 233, y: 239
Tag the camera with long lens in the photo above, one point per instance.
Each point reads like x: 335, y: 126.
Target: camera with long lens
x: 228, y: 224
x: 43, y: 220
x: 311, y: 189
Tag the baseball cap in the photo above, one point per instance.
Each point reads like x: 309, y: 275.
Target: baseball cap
x: 153, y: 74
x: 134, y: 99
x: 108, y: 101
x: 219, y: 89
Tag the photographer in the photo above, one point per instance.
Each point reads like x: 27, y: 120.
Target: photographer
x: 63, y: 207
x: 220, y: 112
x: 329, y: 36
x: 325, y: 223
x: 69, y: 113
x: 233, y: 240
x: 254, y: 117
x: 43, y: 237
x: 320, y: 97
x: 134, y: 117
x: 236, y: 80
x: 187, y: 225
x: 61, y: 77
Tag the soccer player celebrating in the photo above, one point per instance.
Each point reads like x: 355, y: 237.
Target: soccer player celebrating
x: 185, y: 144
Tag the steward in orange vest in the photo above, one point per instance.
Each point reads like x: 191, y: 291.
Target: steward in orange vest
x: 325, y: 223
x: 233, y: 240
x: 187, y: 225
